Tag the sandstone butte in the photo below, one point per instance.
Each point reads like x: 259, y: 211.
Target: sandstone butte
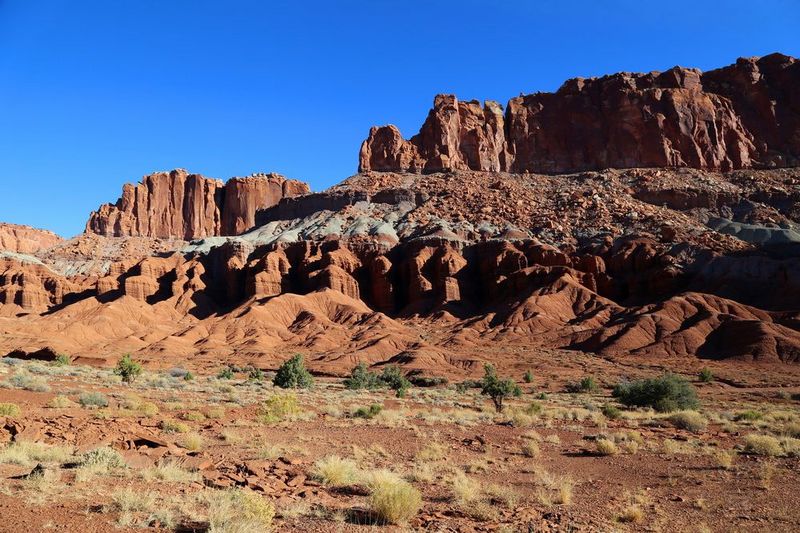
x: 189, y: 206
x: 633, y: 215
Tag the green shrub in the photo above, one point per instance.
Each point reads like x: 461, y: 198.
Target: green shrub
x: 748, y: 416
x: 9, y: 409
x: 279, y: 407
x: 611, y: 412
x: 128, y: 369
x: 93, y: 399
x: 361, y: 378
x: 498, y: 389
x: 467, y: 384
x: 666, y: 393
x: 368, y: 412
x: 393, y: 378
x: 62, y: 359
x: 188, y: 376
x: 226, y: 373
x: 293, y: 375
x: 706, y: 376
x: 255, y: 374
x: 416, y: 378
x: 528, y: 377
x: 587, y: 384
x: 533, y: 408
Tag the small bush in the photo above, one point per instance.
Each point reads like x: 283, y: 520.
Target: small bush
x: 128, y: 369
x: 334, y: 471
x: 706, y: 376
x: 226, y: 373
x: 393, y: 500
x: 361, y: 378
x: 724, y: 458
x: 688, y: 420
x: 9, y: 409
x: 368, y: 412
x: 188, y: 376
x: 586, y: 385
x: 93, y: 399
x: 62, y: 359
x: 418, y: 380
x: 193, y: 416
x: 192, y: 442
x: 766, y: 445
x: 528, y: 377
x: 611, y: 412
x: 279, y: 407
x: 24, y: 380
x: 104, y: 457
x: 393, y: 378
x: 293, y: 375
x: 606, y: 447
x: 666, y: 393
x: 465, y: 489
x: 498, y: 389
x: 467, y: 384
x: 255, y: 374
x: 748, y: 416
x: 148, y: 409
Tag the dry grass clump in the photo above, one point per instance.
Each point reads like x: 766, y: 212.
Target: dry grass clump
x: 465, y: 489
x: 238, y: 511
x: 336, y: 472
x: 554, y: 489
x: 606, y: 447
x: 169, y: 473
x: 148, y: 409
x: 100, y: 461
x: 634, y: 510
x: 530, y: 448
x: 393, y: 500
x: 9, y: 409
x: 26, y: 381
x: 192, y: 442
x: 766, y: 445
x: 171, y: 426
x: 193, y: 416
x: 434, y: 451
x: 60, y: 402
x: 724, y: 458
x: 26, y: 453
x: 280, y: 407
x: 688, y: 420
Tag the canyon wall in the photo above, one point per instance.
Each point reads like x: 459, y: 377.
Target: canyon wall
x: 743, y: 116
x: 186, y: 206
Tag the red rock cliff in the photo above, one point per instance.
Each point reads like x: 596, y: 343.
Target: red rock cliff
x: 189, y: 206
x: 741, y: 116
x: 25, y: 239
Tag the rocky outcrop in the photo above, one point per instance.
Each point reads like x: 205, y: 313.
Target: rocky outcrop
x: 186, y: 206
x: 25, y: 239
x: 742, y: 116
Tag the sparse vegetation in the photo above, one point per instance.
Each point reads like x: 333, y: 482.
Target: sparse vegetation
x: 393, y: 377
x: 665, y: 394
x: 335, y: 471
x: 362, y: 378
x: 528, y: 376
x: 226, y: 373
x: 688, y: 420
x: 93, y: 399
x: 368, y: 412
x: 128, y: 369
x: 606, y: 447
x: 239, y: 511
x: 279, y: 407
x: 585, y: 385
x: 766, y: 445
x: 498, y: 389
x: 393, y: 500
x: 9, y: 409
x: 62, y: 359
x: 293, y: 375
x: 706, y: 376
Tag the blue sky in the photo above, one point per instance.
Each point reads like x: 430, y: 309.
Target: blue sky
x: 96, y: 93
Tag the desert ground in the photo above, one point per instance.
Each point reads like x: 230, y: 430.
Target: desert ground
x: 227, y: 450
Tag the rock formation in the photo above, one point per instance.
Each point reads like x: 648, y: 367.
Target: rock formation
x: 25, y: 239
x: 186, y: 206
x: 742, y: 116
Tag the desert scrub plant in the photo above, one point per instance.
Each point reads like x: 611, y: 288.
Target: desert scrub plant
x: 279, y: 407
x: 530, y: 448
x: 706, y: 376
x: 368, y: 412
x: 193, y: 416
x: 27, y: 381
x: 361, y: 378
x: 688, y: 420
x: 433, y: 451
x: 192, y: 442
x: 527, y: 377
x: 665, y: 393
x: 724, y: 458
x: 25, y: 453
x: 393, y: 500
x: 334, y: 471
x: 393, y: 378
x: 255, y: 375
x: 765, y: 445
x: 611, y: 412
x: 62, y: 359
x: 9, y: 409
x: 172, y: 426
x: 585, y: 385
x: 99, y: 461
x: 170, y: 473
x: 748, y: 416
x: 466, y: 490
x: 93, y: 399
x: 226, y: 373
x: 148, y: 409
x: 128, y: 369
x: 238, y: 511
x: 606, y: 447
x: 496, y: 388
x: 292, y: 374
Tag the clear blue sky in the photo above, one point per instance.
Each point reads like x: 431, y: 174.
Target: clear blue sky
x: 96, y: 93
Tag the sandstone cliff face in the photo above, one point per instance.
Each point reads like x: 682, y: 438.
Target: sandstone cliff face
x: 25, y: 239
x: 741, y: 116
x: 186, y: 206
